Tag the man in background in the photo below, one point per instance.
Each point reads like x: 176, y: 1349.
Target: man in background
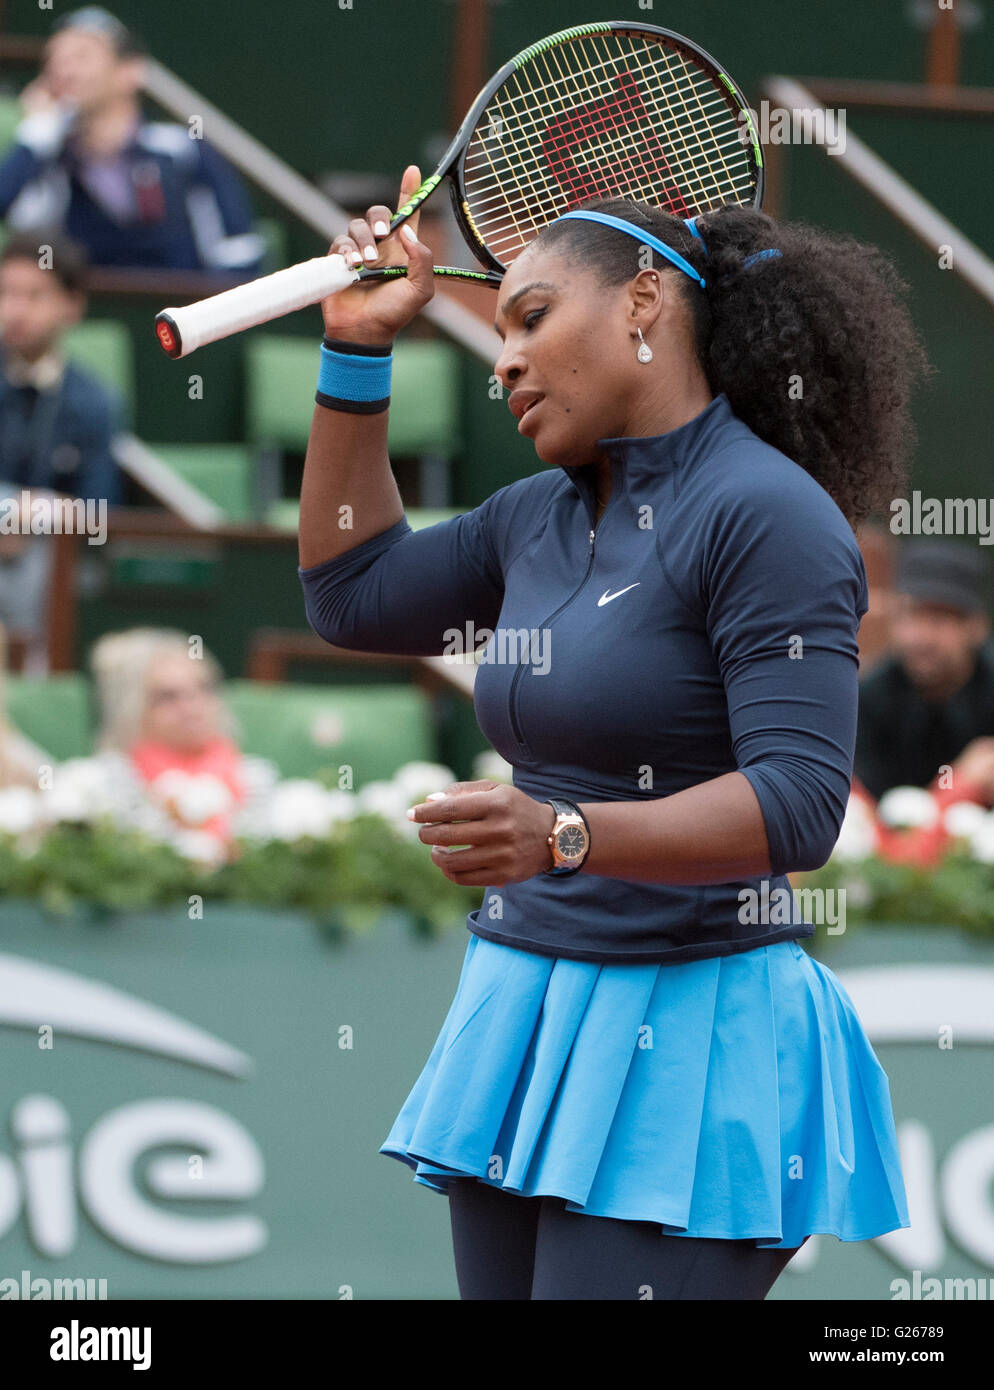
x: 930, y: 705
x: 133, y: 193
x: 56, y: 421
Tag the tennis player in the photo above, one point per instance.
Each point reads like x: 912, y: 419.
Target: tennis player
x: 644, y: 1087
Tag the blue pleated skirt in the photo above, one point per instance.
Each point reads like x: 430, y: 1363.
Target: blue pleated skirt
x: 736, y: 1097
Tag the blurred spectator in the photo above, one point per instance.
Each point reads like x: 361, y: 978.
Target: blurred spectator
x: 930, y: 705
x: 20, y: 759
x: 162, y: 715
x: 56, y: 421
x: 134, y: 193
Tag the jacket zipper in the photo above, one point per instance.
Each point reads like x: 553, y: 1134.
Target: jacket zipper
x: 517, y: 675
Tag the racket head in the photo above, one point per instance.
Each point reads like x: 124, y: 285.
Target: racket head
x: 602, y: 110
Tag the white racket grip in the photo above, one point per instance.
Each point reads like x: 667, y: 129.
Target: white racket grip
x: 180, y: 331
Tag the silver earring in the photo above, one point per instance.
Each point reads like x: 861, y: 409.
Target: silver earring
x: 644, y: 353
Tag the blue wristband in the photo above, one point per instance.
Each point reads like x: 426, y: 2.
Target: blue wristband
x: 354, y: 377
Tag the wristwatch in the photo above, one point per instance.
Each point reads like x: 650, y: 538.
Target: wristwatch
x: 570, y: 838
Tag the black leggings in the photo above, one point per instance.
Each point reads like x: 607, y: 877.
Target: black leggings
x: 513, y: 1247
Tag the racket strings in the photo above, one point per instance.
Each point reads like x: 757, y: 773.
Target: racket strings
x: 704, y: 191
x: 642, y: 123
x: 616, y: 120
x: 684, y: 160
x: 584, y: 77
x: 517, y: 133
x: 522, y: 131
x: 603, y: 126
x: 539, y: 111
x: 640, y: 166
x: 714, y: 153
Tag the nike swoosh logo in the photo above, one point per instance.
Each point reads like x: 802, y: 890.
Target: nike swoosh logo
x: 606, y: 597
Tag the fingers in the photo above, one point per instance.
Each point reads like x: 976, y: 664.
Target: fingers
x: 344, y: 246
x: 363, y: 237
x: 37, y: 96
x: 440, y: 806
x: 409, y: 185
x: 420, y: 264
x: 448, y: 833
x: 468, y: 867
x: 360, y: 244
x: 461, y: 802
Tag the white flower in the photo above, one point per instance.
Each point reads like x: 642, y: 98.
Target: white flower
x: 168, y: 785
x: 148, y: 818
x: 299, y: 808
x: 205, y: 797
x: 81, y: 790
x: 908, y: 806
x: 260, y: 775
x: 194, y: 798
x: 416, y: 780
x: 20, y: 810
x: 490, y: 764
x: 387, y: 799
x: 856, y: 836
x: 982, y: 840
x: 963, y: 818
x: 199, y: 846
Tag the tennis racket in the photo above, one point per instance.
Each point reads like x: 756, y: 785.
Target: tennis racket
x: 601, y: 110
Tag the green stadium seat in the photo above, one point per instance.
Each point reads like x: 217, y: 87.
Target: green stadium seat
x: 54, y: 711
x: 373, y: 729
x: 280, y: 376
x: 281, y: 373
x: 424, y: 400
x: 222, y: 472
x: 104, y: 348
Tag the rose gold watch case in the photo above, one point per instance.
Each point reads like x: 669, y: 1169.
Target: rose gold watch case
x: 563, y: 861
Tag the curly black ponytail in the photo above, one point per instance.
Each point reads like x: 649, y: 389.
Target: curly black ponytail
x: 815, y: 348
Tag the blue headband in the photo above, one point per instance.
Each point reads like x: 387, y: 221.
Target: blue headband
x: 691, y: 224
x: 665, y: 251
x: 760, y: 256
x: 646, y: 238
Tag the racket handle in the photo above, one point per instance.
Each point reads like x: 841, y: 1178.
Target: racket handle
x: 180, y: 331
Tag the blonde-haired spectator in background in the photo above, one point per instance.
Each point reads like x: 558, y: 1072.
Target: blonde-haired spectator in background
x: 163, y: 718
x: 20, y: 759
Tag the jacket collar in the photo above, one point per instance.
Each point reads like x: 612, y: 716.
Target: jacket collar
x: 43, y: 374
x: 646, y: 457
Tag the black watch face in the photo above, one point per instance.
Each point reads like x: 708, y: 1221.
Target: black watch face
x: 571, y: 841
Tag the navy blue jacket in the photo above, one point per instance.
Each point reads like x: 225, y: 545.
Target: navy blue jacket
x: 710, y: 625
x: 67, y: 445
x: 191, y: 211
